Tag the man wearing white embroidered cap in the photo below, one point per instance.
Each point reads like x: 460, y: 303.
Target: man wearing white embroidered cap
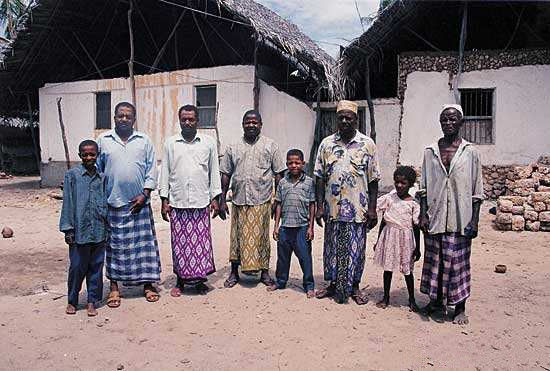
x: 451, y: 192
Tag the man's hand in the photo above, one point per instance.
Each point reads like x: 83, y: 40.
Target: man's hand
x: 310, y: 234
x: 69, y: 238
x: 372, y: 218
x: 424, y: 223
x: 137, y: 203
x: 320, y: 214
x: 417, y: 254
x: 471, y: 229
x: 224, y: 210
x: 165, y: 210
x: 276, y: 233
x: 215, y: 208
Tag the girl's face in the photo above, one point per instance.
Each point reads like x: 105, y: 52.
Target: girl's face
x: 401, y: 184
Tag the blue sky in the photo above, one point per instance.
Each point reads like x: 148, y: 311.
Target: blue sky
x: 326, y: 21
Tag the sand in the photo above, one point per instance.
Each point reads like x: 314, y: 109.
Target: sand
x: 248, y: 327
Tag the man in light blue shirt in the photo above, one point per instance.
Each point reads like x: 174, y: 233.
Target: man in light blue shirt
x: 190, y: 187
x: 127, y: 158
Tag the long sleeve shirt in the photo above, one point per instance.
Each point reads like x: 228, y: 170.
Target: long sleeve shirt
x: 190, y: 172
x: 450, y: 194
x: 252, y: 168
x: 84, y: 209
x: 129, y: 168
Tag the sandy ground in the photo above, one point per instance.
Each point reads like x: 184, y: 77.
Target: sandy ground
x: 247, y: 327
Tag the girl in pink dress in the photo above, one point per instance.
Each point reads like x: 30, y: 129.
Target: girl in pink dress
x: 398, y: 240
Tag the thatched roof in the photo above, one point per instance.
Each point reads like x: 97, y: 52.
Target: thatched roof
x: 58, y: 39
x: 418, y: 26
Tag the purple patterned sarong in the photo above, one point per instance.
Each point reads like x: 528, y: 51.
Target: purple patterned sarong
x: 455, y: 255
x: 344, y: 254
x: 192, y: 252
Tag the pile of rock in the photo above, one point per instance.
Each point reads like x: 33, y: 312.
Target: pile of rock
x: 526, y: 205
x: 494, y: 180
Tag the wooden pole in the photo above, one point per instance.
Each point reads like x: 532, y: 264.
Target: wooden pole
x: 369, y: 103
x: 256, y: 89
x: 218, y: 143
x: 131, y: 60
x: 63, y: 136
x: 203, y: 39
x: 88, y: 55
x: 461, y: 51
x: 163, y: 48
x: 316, y: 134
x: 33, y: 136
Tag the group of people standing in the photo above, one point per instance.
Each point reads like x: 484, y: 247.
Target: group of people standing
x: 106, y: 214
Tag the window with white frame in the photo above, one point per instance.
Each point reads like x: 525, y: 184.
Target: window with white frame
x: 478, y: 108
x: 205, y: 97
x: 103, y: 110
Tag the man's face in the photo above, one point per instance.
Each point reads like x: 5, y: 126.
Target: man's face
x: 251, y: 126
x: 124, y: 119
x: 294, y: 164
x: 451, y: 122
x: 88, y: 155
x: 347, y: 122
x: 188, y: 122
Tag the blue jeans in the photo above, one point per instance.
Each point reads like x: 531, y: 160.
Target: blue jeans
x: 293, y: 239
x: 86, y: 262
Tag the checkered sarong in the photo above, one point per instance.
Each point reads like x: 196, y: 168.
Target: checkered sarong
x: 455, y: 254
x: 132, y: 252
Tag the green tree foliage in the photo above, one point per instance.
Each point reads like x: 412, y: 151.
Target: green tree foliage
x: 10, y: 11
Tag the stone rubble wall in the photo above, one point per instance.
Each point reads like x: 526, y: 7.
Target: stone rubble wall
x: 526, y: 205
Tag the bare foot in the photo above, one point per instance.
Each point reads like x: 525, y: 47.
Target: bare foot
x: 272, y: 288
x: 413, y: 307
x: 175, y: 292
x: 266, y: 279
x: 461, y: 319
x: 71, y: 309
x: 90, y: 309
x: 310, y: 294
x: 383, y: 304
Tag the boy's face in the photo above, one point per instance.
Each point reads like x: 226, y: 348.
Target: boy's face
x: 401, y: 184
x: 88, y: 154
x: 294, y: 164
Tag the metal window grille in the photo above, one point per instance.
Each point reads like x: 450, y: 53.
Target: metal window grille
x: 206, y: 103
x: 478, y: 115
x: 103, y: 110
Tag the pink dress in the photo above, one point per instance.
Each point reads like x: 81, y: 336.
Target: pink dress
x: 395, y: 246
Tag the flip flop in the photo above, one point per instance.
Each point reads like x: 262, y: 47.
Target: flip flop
x: 267, y: 281
x: 230, y: 282
x: 175, y: 292
x: 113, y: 300
x: 71, y: 309
x: 359, y: 298
x: 310, y: 294
x: 151, y: 295
x: 91, y: 312
x: 325, y: 293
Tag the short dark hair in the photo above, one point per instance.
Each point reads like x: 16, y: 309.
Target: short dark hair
x: 253, y: 112
x: 87, y: 142
x: 295, y: 152
x: 126, y: 104
x: 188, y: 108
x: 407, y: 171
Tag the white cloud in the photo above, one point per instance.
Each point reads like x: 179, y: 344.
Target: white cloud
x: 328, y: 21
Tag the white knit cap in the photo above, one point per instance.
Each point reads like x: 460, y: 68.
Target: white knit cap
x: 457, y: 107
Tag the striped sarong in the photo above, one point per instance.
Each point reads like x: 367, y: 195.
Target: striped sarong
x: 192, y: 253
x: 249, y: 243
x: 452, y: 251
x: 344, y: 254
x: 132, y: 252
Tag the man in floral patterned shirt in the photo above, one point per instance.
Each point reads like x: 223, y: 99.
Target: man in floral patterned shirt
x: 347, y: 174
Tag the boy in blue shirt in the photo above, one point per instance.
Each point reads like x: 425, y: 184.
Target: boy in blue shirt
x: 84, y: 222
x: 295, y: 210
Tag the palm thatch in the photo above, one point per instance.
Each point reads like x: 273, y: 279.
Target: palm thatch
x: 64, y: 40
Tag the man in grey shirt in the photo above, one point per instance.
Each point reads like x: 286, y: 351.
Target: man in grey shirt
x: 451, y: 192
x: 251, y: 164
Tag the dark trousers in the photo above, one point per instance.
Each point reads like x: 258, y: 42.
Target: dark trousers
x: 86, y: 261
x: 293, y: 239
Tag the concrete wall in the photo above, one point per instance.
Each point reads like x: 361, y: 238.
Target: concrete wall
x: 520, y: 116
x: 158, y: 98
x: 288, y: 121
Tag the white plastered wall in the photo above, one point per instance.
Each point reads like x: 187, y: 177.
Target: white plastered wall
x: 521, y: 103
